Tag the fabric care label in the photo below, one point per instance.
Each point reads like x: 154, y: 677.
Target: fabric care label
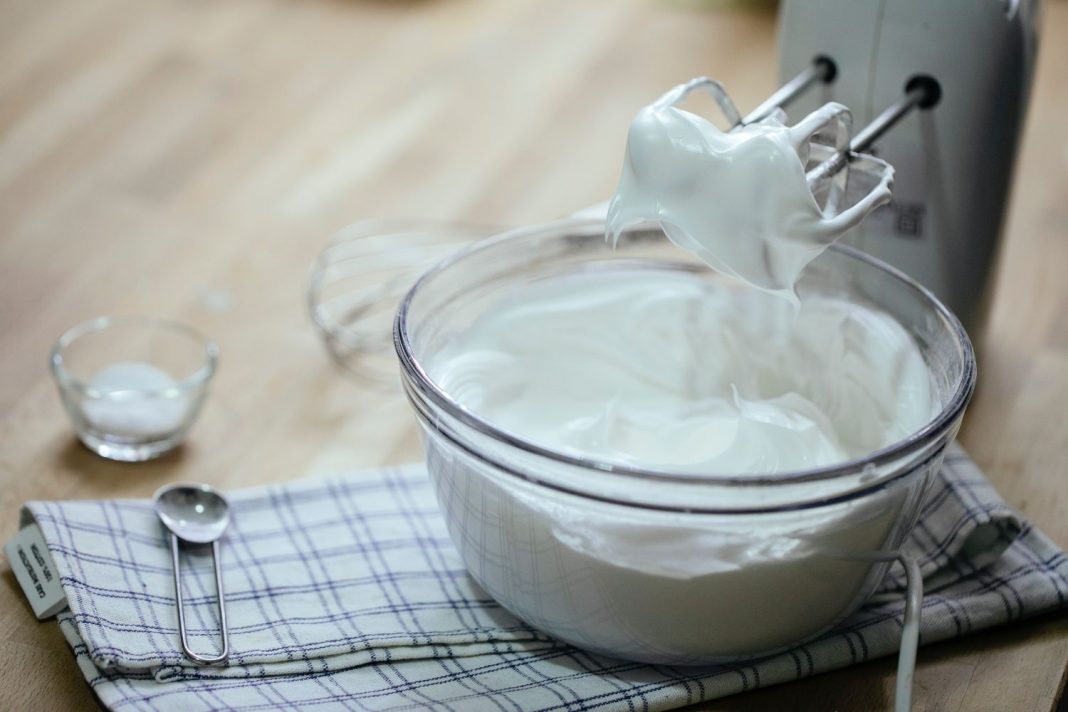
x: 28, y: 556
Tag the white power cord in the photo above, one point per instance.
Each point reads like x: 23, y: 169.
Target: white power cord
x: 910, y: 629
x: 910, y: 634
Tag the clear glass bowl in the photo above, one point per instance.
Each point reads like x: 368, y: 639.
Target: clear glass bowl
x: 662, y: 566
x: 133, y: 386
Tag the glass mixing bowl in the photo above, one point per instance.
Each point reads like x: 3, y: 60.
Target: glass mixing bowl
x: 133, y: 385
x: 661, y: 566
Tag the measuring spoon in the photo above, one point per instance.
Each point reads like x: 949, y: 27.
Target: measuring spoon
x: 197, y: 514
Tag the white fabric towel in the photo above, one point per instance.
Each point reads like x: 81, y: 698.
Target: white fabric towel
x: 346, y: 593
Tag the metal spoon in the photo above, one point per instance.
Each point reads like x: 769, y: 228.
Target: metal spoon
x: 199, y: 515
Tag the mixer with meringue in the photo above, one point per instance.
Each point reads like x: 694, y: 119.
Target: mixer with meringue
x: 672, y: 372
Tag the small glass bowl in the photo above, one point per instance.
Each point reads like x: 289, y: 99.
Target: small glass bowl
x: 133, y: 386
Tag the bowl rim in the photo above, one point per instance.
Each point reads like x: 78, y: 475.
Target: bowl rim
x: 66, y: 379
x: 420, y: 380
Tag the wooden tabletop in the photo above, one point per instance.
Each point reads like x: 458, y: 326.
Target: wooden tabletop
x: 189, y: 158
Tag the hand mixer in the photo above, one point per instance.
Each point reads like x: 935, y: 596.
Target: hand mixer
x: 971, y: 63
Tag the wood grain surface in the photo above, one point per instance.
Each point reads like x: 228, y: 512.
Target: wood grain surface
x: 188, y: 158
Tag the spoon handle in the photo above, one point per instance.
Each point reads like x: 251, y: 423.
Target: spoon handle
x: 203, y: 659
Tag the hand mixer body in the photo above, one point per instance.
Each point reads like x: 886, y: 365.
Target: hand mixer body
x: 953, y: 162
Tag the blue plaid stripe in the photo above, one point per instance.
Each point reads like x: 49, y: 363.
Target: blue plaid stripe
x: 346, y: 593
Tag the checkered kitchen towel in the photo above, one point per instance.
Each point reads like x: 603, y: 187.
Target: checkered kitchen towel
x: 346, y: 593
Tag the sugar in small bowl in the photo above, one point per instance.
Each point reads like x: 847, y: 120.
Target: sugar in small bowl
x: 133, y: 386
